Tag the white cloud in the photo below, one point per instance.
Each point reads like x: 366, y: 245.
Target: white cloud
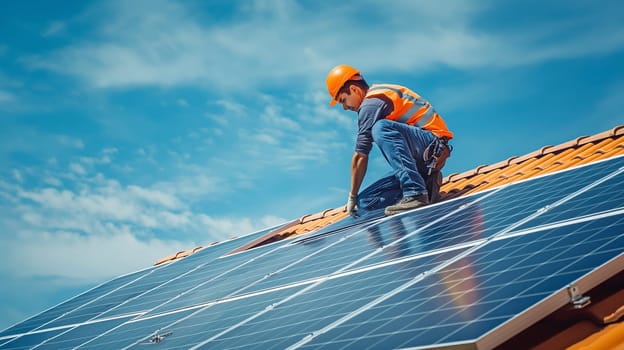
x: 217, y: 132
x: 273, y: 116
x: 155, y: 197
x: 77, y: 168
x: 166, y: 47
x: 182, y: 102
x: 271, y: 220
x: 232, y: 108
x: 85, y: 257
x: 54, y: 28
x: 69, y: 141
x: 50, y: 180
x: 76, y: 234
x: 17, y: 175
x: 105, y: 158
x: 235, y: 227
x: 6, y: 97
x: 110, y: 150
x: 265, y: 138
x: 314, y: 109
x: 107, y: 202
x: 143, y: 43
x: 194, y: 183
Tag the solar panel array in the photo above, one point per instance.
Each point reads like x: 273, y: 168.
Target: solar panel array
x: 454, y: 273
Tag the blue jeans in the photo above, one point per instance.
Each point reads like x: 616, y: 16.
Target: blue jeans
x: 403, y: 145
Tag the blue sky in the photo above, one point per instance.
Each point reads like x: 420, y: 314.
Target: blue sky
x: 130, y: 130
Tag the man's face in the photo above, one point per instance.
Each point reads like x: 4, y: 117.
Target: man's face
x: 351, y: 101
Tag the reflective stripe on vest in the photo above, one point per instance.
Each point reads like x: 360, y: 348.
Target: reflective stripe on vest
x: 419, y: 114
x: 419, y: 111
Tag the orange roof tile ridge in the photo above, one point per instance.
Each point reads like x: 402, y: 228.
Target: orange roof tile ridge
x: 465, y: 174
x: 321, y: 215
x: 324, y: 213
x: 502, y: 164
x: 481, y: 169
x: 338, y: 210
x: 566, y: 145
x: 603, y: 135
x: 478, y: 169
x: 542, y: 150
x: 302, y: 219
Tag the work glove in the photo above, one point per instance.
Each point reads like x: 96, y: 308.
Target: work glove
x: 352, y: 202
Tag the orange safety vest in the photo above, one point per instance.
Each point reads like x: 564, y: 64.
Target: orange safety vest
x: 410, y: 108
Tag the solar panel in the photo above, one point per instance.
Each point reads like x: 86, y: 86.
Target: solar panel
x: 456, y: 272
x: 148, y: 331
x: 99, y: 301
x: 608, y: 196
x: 78, y: 335
x: 525, y: 203
x: 188, y: 280
x: 85, y: 299
x: 483, y: 290
x: 29, y: 341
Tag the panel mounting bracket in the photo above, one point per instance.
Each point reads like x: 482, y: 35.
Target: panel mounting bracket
x: 158, y: 337
x: 577, y: 299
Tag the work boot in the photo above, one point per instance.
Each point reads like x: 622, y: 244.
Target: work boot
x: 408, y: 203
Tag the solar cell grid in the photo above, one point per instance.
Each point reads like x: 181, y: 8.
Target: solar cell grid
x: 242, y: 271
x: 180, y: 282
x: 217, y: 318
x: 91, y: 296
x: 324, y: 303
x: 362, y: 241
x: 504, y: 207
x: 134, y: 332
x: 76, y: 336
x: 603, y: 197
x: 174, y: 278
x: 489, y: 298
x: 28, y: 341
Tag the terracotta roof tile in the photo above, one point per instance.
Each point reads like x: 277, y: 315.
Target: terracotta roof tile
x: 609, y: 338
x: 180, y: 255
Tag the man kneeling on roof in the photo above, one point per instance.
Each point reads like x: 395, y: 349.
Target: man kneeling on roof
x: 411, y: 135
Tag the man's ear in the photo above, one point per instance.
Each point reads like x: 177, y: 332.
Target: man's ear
x: 354, y: 89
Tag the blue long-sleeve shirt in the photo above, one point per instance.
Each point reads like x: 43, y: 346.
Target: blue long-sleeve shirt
x: 371, y: 110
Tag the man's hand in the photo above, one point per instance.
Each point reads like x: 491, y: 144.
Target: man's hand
x: 352, y: 202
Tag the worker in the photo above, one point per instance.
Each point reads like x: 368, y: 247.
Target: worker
x: 411, y: 135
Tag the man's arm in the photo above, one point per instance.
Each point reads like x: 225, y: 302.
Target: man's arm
x: 359, y: 164
x: 370, y: 110
x: 358, y: 170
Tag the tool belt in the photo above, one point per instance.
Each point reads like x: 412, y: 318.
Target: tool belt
x: 436, y: 153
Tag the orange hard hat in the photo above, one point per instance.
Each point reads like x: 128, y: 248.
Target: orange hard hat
x: 337, y: 77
